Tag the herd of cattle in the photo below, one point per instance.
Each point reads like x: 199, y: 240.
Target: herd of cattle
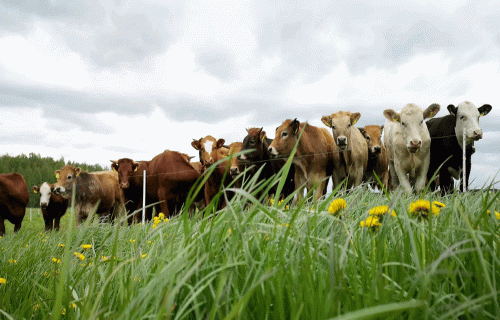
x: 412, y: 153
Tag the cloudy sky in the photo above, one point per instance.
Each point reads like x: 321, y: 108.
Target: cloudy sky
x: 98, y: 80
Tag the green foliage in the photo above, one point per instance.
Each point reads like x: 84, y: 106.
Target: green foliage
x: 37, y: 170
x: 255, y: 261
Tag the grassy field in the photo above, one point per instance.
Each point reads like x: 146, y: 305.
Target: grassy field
x: 255, y: 261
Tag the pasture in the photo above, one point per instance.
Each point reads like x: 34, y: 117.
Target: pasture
x: 263, y: 261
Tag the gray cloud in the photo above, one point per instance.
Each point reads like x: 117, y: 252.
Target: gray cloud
x: 218, y: 63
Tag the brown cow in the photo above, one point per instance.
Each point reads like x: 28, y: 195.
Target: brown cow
x: 377, y: 156
x: 131, y: 177
x: 313, y: 160
x: 14, y: 197
x: 235, y: 167
x: 211, y: 151
x: 53, y: 205
x: 353, y: 151
x: 97, y: 191
x: 170, y: 177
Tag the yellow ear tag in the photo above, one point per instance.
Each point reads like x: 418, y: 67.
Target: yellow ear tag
x: 113, y: 168
x: 263, y: 137
x: 136, y: 168
x: 395, y: 120
x: 57, y: 176
x: 35, y: 191
x: 355, y: 122
x: 482, y: 114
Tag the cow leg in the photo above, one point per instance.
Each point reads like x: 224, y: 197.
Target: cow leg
x: 162, y: 197
x: 17, y: 224
x: 393, y: 175
x: 300, y: 180
x: 445, y: 182
x: 403, y: 179
x: 420, y: 179
x: 2, y: 227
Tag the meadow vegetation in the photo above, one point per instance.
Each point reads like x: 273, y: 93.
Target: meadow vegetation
x: 265, y: 261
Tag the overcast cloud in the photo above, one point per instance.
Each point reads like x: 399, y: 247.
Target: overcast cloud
x: 100, y: 80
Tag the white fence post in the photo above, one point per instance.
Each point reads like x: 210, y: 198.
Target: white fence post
x: 144, y: 198
x: 464, y: 169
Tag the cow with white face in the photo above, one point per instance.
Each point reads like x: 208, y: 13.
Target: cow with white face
x: 53, y: 205
x: 447, y: 143
x: 407, y: 141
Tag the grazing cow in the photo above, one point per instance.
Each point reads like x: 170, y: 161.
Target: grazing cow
x: 14, y: 197
x: 352, y: 147
x: 211, y: 151
x: 447, y: 141
x: 377, y: 156
x: 170, y: 177
x: 130, y: 178
x: 313, y: 158
x: 53, y: 205
x: 97, y: 191
x: 408, y: 144
x: 260, y: 155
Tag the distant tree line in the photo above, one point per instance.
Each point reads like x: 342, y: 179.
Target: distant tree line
x: 36, y: 170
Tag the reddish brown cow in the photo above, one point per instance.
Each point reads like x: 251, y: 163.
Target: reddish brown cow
x: 97, y: 191
x: 53, y: 205
x: 211, y: 151
x: 170, y: 177
x: 131, y: 177
x: 313, y: 160
x: 377, y: 156
x: 235, y: 168
x: 14, y: 197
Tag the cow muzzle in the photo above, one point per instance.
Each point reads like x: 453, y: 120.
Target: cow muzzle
x: 43, y: 205
x: 376, y: 150
x: 234, y: 172
x: 124, y: 185
x: 477, y: 135
x: 273, y: 151
x: 342, y: 143
x: 414, y: 146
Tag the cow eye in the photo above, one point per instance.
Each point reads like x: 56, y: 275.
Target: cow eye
x: 421, y: 121
x: 333, y: 127
x: 69, y: 177
x: 349, y: 125
x: 368, y: 138
x: 284, y: 134
x: 403, y: 124
x: 462, y: 117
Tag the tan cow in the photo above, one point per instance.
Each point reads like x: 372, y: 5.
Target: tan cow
x: 408, y: 142
x: 211, y: 151
x: 235, y: 167
x: 351, y: 145
x: 313, y: 159
x: 377, y: 156
x: 99, y: 191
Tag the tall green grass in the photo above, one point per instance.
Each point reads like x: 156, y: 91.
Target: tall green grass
x: 253, y: 260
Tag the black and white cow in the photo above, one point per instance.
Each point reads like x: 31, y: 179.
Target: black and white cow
x: 447, y: 141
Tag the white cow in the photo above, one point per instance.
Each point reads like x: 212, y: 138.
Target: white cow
x: 408, y: 142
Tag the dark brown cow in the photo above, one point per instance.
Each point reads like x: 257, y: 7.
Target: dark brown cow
x: 14, y: 197
x: 170, y: 177
x: 377, y: 156
x: 131, y: 178
x: 257, y: 141
x: 314, y: 157
x: 97, y: 191
x: 211, y: 151
x: 53, y: 205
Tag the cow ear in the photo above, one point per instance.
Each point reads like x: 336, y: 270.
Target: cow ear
x: 484, y: 109
x: 355, y: 117
x: 262, y: 135
x: 196, y: 144
x: 35, y: 189
x: 327, y: 120
x: 381, y: 128
x: 220, y: 143
x: 135, y: 165
x: 78, y: 171
x: 114, y: 165
x: 362, y: 130
x: 295, y: 126
x: 431, y: 110
x: 58, y: 174
x: 392, y: 115
x: 452, y: 110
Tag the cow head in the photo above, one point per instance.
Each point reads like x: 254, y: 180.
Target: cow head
x: 45, y: 191
x: 209, y: 149
x: 126, y: 169
x: 467, y: 118
x: 373, y: 136
x: 234, y: 167
x: 411, y: 121
x: 255, y: 140
x: 341, y: 123
x: 65, y: 178
x: 285, y: 139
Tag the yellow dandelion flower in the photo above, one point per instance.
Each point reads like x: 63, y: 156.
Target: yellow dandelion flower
x: 36, y: 306
x: 44, y: 240
x: 497, y: 214
x: 27, y: 246
x: 73, y: 305
x: 63, y: 311
x: 149, y: 242
x: 438, y: 204
x: 381, y: 210
x: 161, y: 216
x: 229, y: 232
x: 55, y: 260
x: 12, y: 261
x: 86, y: 246
x: 132, y: 240
x: 61, y: 245
x: 422, y: 208
x: 337, y: 205
x: 3, y: 281
x: 0, y: 237
x: 371, y: 222
x: 104, y: 258
x: 79, y: 256
x: 144, y: 255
